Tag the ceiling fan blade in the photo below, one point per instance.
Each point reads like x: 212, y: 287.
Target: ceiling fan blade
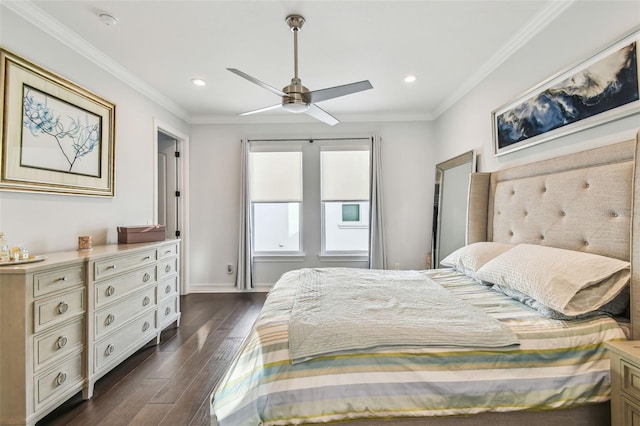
x: 255, y: 111
x: 320, y: 114
x: 258, y: 82
x: 334, y: 92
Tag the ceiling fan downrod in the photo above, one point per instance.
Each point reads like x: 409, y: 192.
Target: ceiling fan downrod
x: 295, y: 22
x: 295, y: 100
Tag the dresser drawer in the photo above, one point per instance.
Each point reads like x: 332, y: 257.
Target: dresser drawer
x: 630, y: 380
x: 167, y: 310
x: 167, y: 287
x: 58, y: 380
x: 115, y: 265
x: 167, y: 251
x: 114, y: 315
x: 59, y: 279
x: 58, y: 342
x: 167, y: 267
x: 49, y: 312
x: 630, y: 413
x: 113, y: 347
x: 118, y: 287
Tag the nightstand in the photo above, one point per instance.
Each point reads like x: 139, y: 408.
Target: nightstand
x: 625, y: 382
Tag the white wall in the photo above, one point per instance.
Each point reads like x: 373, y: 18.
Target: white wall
x: 408, y: 177
x: 581, y: 31
x: 44, y: 222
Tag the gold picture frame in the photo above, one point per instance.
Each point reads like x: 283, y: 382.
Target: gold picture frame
x: 57, y: 137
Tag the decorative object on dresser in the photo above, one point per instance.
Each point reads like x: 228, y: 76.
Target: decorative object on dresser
x: 625, y: 379
x: 57, y: 137
x: 603, y: 88
x: 75, y: 316
x: 140, y: 234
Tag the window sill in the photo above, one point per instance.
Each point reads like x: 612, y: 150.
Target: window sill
x: 343, y: 257
x: 275, y: 257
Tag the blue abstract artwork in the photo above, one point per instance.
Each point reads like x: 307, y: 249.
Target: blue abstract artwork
x: 609, y: 83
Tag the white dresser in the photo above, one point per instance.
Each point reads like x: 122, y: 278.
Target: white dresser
x: 68, y: 320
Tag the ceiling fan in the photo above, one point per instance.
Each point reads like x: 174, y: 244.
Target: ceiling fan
x: 295, y: 97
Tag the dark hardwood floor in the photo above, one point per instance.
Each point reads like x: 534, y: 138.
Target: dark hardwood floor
x: 170, y: 384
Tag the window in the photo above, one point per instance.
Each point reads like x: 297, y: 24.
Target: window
x: 310, y: 203
x: 345, y: 198
x: 276, y: 198
x: 351, y: 212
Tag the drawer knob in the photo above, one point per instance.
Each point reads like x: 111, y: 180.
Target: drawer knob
x: 146, y: 277
x: 167, y: 268
x: 147, y: 258
x: 110, y: 290
x: 145, y: 326
x: 110, y: 319
x: 167, y: 252
x: 61, y: 378
x: 112, y: 267
x: 167, y: 289
x: 61, y: 342
x: 62, y: 279
x: 62, y: 307
x: 167, y: 311
x: 146, y: 301
x: 109, y: 350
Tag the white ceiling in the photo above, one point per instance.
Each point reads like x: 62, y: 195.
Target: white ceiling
x: 158, y: 46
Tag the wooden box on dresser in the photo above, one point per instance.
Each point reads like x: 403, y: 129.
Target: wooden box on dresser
x: 70, y: 319
x: 625, y: 383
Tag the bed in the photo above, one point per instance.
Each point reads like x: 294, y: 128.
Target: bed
x: 530, y: 360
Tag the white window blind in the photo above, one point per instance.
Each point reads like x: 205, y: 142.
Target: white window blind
x: 276, y: 176
x: 345, y: 175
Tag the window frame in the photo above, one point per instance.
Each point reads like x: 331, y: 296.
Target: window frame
x: 347, y: 255
x: 284, y: 254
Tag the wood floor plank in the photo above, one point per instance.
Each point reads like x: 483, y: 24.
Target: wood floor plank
x: 151, y: 415
x: 129, y: 408
x: 170, y: 383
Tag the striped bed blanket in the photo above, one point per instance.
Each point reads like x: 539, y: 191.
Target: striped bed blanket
x: 558, y: 364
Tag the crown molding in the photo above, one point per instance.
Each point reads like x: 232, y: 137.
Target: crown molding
x: 53, y: 27
x: 539, y: 22
x: 301, y: 119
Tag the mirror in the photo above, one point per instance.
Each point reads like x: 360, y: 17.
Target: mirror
x: 450, y: 205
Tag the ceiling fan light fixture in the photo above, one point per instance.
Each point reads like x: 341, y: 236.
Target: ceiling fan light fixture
x: 296, y: 108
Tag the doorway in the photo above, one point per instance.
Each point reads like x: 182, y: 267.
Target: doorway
x: 171, y: 190
x: 168, y: 185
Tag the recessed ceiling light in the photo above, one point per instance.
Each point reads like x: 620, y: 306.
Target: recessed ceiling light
x: 108, y: 20
x: 198, y: 82
x: 410, y: 78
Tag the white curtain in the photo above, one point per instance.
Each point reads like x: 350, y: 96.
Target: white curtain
x: 243, y: 277
x: 377, y: 255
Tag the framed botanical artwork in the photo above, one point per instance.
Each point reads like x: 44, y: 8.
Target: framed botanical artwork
x: 57, y: 137
x: 600, y: 89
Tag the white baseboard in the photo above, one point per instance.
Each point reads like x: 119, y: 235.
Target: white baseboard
x: 225, y: 288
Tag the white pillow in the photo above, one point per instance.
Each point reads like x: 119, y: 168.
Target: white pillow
x: 470, y: 258
x: 571, y: 282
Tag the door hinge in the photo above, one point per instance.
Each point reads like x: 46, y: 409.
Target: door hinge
x: 177, y: 193
x: 177, y: 154
x: 177, y: 233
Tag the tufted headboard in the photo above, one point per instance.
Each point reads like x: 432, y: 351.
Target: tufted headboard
x: 583, y: 201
